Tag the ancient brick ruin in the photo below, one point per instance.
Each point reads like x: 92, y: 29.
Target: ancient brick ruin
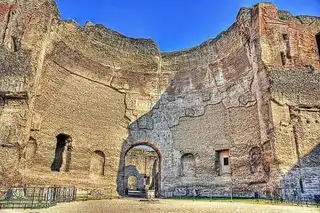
x: 239, y: 113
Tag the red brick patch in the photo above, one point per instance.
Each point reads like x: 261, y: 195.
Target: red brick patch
x: 4, y: 8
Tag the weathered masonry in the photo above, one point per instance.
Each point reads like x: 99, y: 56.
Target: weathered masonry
x: 240, y: 112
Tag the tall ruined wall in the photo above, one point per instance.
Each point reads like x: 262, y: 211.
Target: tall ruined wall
x: 212, y: 104
x: 295, y: 112
x: 291, y: 57
x: 57, y: 77
x: 24, y: 29
x: 287, y: 40
x: 94, y: 82
x: 244, y: 93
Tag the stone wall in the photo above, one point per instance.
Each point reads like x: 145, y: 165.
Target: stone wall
x: 210, y: 105
x: 295, y: 112
x: 291, y: 57
x: 246, y: 92
x: 24, y: 35
x: 84, y: 93
x: 294, y: 37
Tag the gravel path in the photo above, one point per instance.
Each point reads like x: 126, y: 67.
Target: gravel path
x: 166, y: 206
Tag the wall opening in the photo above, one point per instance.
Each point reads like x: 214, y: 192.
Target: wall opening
x: 142, y: 161
x: 62, y: 157
x: 287, y: 44
x: 223, y: 162
x: 283, y: 58
x: 132, y: 183
x: 15, y: 44
x: 188, y: 165
x: 318, y: 43
x: 97, y: 163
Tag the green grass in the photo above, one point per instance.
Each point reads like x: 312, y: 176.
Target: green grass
x: 241, y: 200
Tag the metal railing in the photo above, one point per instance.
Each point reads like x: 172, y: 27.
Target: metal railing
x: 36, y: 197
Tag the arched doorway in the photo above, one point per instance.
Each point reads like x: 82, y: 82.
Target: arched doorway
x: 62, y: 157
x: 97, y: 163
x: 145, y: 158
x: 132, y: 183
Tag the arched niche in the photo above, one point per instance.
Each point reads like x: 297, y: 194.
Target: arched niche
x: 188, y: 165
x: 97, y: 163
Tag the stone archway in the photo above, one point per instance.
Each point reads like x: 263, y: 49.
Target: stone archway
x: 129, y: 172
x: 123, y: 177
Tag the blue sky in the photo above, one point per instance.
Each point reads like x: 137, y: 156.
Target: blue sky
x: 172, y: 24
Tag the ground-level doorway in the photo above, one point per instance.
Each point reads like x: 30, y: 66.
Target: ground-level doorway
x: 141, y: 171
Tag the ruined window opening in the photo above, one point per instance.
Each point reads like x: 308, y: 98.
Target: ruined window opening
x: 222, y: 162
x: 318, y: 43
x: 225, y: 161
x: 285, y: 37
x: 63, y: 141
x: 15, y: 44
x: 283, y: 58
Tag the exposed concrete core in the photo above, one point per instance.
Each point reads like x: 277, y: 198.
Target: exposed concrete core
x: 253, y: 91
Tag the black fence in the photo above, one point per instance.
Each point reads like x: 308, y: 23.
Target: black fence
x: 36, y: 197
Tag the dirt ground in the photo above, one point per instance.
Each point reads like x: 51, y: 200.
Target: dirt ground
x: 166, y: 206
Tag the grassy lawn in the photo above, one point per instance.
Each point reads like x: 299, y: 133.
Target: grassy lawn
x: 241, y: 200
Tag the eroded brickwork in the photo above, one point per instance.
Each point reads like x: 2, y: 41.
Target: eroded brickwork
x: 252, y: 92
